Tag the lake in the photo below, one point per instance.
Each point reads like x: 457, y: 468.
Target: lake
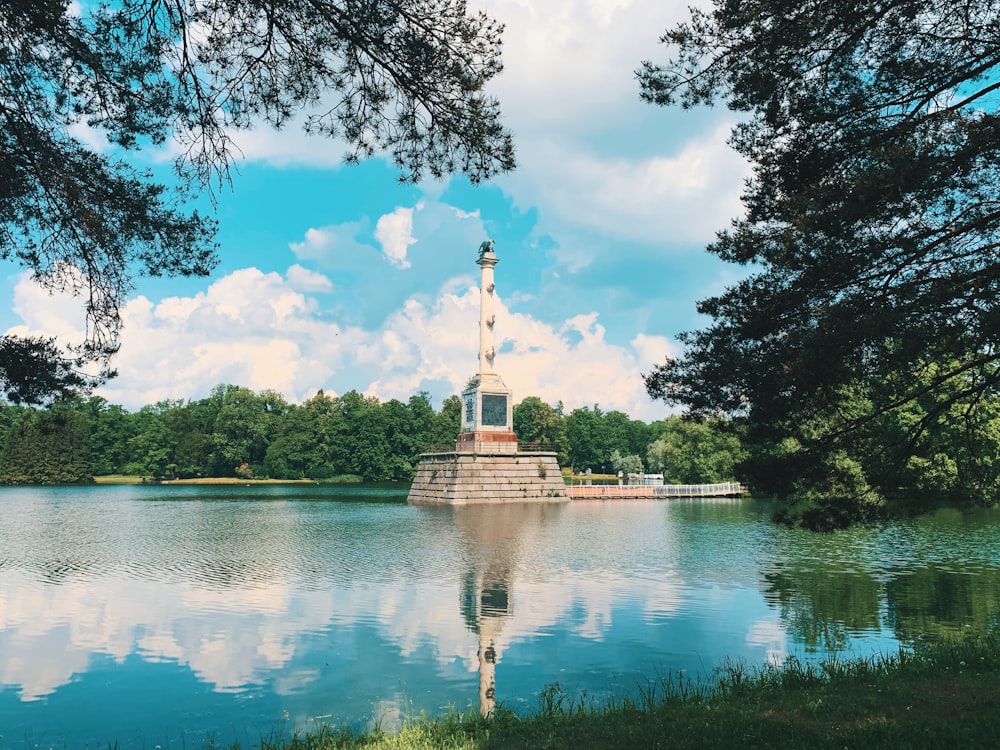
x: 164, y: 617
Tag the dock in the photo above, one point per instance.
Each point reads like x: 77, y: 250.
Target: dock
x: 652, y: 492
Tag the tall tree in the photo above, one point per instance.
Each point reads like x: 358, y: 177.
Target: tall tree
x: 872, y: 222
x: 585, y: 433
x: 540, y: 425
x: 48, y: 447
x: 111, y: 428
x: 362, y: 437
x: 402, y: 76
x: 695, y: 452
x: 153, y: 447
x: 445, y: 426
x: 246, y: 424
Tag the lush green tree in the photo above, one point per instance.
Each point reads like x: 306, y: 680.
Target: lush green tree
x: 403, y: 441
x: 446, y: 425
x: 421, y: 422
x: 246, y: 424
x: 592, y: 435
x: 308, y: 446
x: 871, y: 228
x: 10, y: 420
x: 153, y: 447
x: 192, y: 445
x: 291, y: 453
x: 111, y: 429
x: 402, y: 76
x: 586, y: 441
x: 362, y: 440
x: 696, y: 452
x: 615, y: 434
x: 48, y: 447
x: 626, y: 464
x: 539, y: 425
x: 925, y: 452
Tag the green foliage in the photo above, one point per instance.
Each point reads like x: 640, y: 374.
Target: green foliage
x: 630, y: 464
x: 245, y: 424
x: 690, y: 451
x: 541, y: 426
x: 235, y: 432
x: 47, y: 447
x: 111, y: 428
x: 406, y: 78
x: 153, y: 448
x: 446, y: 425
x: 865, y: 329
x: 594, y: 434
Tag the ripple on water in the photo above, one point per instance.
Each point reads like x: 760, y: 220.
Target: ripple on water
x: 178, y: 599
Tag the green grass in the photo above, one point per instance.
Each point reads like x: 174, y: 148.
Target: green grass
x: 117, y: 479
x: 938, y: 697
x: 128, y: 479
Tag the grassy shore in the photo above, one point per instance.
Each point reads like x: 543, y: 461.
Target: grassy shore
x: 940, y: 697
x: 128, y: 479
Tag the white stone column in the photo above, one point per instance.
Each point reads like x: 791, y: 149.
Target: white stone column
x: 487, y: 351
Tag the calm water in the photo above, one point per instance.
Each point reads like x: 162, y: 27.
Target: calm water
x: 164, y: 617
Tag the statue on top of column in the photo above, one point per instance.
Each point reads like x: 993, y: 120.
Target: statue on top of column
x: 486, y: 247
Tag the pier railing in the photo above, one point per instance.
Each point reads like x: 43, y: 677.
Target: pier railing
x: 720, y: 489
x: 632, y: 491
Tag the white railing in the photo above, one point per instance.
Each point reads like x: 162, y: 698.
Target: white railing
x: 721, y: 489
x: 698, y: 490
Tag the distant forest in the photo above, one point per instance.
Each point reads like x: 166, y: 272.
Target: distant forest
x: 235, y: 432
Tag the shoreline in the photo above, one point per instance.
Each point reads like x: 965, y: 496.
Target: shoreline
x: 123, y: 479
x: 934, y: 696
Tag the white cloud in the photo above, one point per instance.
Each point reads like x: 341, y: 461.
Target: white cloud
x: 566, y: 62
x: 395, y: 233
x: 673, y: 199
x: 289, y: 145
x: 317, y: 244
x: 263, y: 331
x: 438, y: 341
x: 44, y: 313
x: 308, y: 281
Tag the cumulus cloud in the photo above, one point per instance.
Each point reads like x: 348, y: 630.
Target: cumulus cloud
x: 395, y: 233
x: 669, y: 199
x: 438, y: 341
x: 308, y: 281
x: 264, y: 331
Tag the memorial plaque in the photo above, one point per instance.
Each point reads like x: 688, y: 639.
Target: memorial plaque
x: 494, y: 410
x: 470, y: 408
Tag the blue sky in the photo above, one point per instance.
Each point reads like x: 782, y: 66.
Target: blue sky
x: 339, y: 277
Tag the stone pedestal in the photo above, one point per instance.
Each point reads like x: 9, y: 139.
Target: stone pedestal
x: 466, y: 478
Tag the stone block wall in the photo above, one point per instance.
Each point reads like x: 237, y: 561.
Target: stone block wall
x: 461, y: 478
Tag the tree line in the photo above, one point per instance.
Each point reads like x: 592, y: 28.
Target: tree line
x: 236, y: 432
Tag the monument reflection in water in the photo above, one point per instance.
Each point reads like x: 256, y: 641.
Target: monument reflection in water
x: 495, y: 536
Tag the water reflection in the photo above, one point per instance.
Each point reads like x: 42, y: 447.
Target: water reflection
x: 823, y: 610
x: 959, y: 604
x: 494, y: 539
x: 936, y: 578
x: 210, y: 610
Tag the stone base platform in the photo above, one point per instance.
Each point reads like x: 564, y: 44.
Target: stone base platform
x: 466, y: 478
